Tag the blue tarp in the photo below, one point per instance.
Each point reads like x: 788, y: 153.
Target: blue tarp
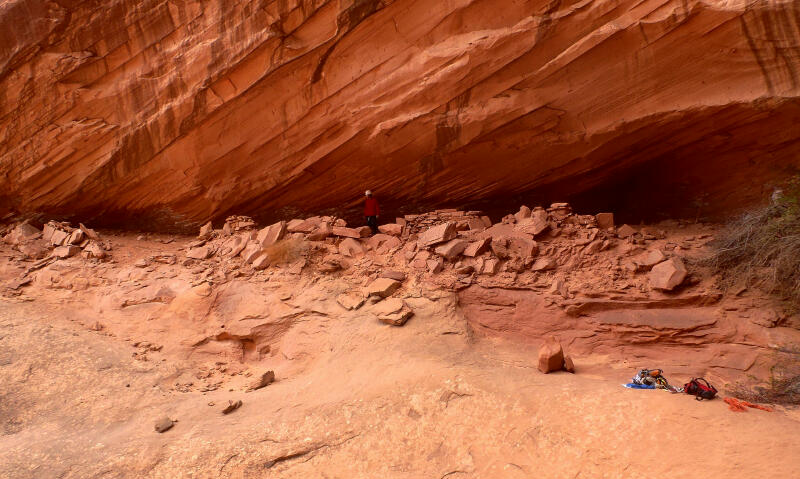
x: 639, y: 386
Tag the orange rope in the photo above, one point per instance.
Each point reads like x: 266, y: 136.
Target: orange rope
x: 738, y: 405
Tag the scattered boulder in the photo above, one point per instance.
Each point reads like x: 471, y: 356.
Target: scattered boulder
x: 350, y: 301
x: 465, y: 269
x: 292, y: 225
x: 271, y: 234
x: 668, y: 274
x: 262, y: 381
x: 332, y: 263
x: 545, y: 263
x: 594, y: 247
x: 477, y: 248
x: 395, y: 275
x: 535, y: 224
x: 652, y: 258
x: 47, y: 232
x: 393, y: 229
x: 560, y: 211
x: 235, y: 224
x: 451, y: 249
x: 490, y: 266
x: 437, y: 234
x: 523, y: 213
x: 625, y: 231
x: 559, y: 286
x: 476, y: 224
x: 66, y: 251
x: 569, y: 366
x: 33, y: 249
x: 604, y: 220
x: 551, y: 356
x: 164, y: 424
x: 304, y: 226
x: 58, y: 237
x: 90, y: 233
x: 383, y: 287
x: 435, y: 265
x: 233, y: 247
x: 232, y: 406
x: 21, y: 233
x: 323, y: 231
x: 94, y: 250
x: 350, y: 247
x: 375, y: 241
x: 261, y: 262
x: 420, y: 260
x: 206, y: 230
x: 356, y: 233
x: 251, y: 252
x: 393, y: 311
x: 199, y: 253
x: 505, y: 247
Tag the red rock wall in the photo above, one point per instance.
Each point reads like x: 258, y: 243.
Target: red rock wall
x: 173, y: 112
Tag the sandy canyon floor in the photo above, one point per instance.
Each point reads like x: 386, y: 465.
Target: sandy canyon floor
x: 94, y: 353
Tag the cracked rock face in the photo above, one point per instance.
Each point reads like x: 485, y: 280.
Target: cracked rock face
x: 168, y: 114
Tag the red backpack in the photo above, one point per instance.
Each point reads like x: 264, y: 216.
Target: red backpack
x: 699, y: 390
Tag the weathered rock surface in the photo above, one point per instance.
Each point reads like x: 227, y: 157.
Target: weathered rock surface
x: 171, y: 113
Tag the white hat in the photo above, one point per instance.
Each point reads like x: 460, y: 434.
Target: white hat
x: 368, y: 193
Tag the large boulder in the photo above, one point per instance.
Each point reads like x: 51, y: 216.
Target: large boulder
x: 604, y: 220
x: 393, y: 229
x: 437, y: 234
x: 551, y: 356
x: 451, y: 249
x: 523, y: 213
x: 351, y: 248
x: 271, y: 234
x: 667, y: 275
x: 22, y: 233
x: 477, y: 248
x: 506, y: 247
x: 535, y: 224
x: 304, y: 226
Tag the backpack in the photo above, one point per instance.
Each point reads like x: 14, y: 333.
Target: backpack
x: 699, y: 390
x: 647, y: 377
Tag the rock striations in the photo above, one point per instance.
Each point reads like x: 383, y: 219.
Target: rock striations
x: 171, y: 113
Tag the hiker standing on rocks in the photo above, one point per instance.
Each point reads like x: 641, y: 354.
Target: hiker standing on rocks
x: 371, y: 211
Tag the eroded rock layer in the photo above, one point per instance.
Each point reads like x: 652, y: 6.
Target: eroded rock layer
x: 171, y: 113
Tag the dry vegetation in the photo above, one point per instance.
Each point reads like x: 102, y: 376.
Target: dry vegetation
x: 762, y: 248
x: 286, y: 251
x: 783, y: 386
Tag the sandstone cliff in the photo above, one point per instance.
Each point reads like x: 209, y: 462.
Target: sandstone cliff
x: 174, y: 112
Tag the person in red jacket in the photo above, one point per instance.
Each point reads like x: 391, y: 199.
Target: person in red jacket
x: 371, y: 211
